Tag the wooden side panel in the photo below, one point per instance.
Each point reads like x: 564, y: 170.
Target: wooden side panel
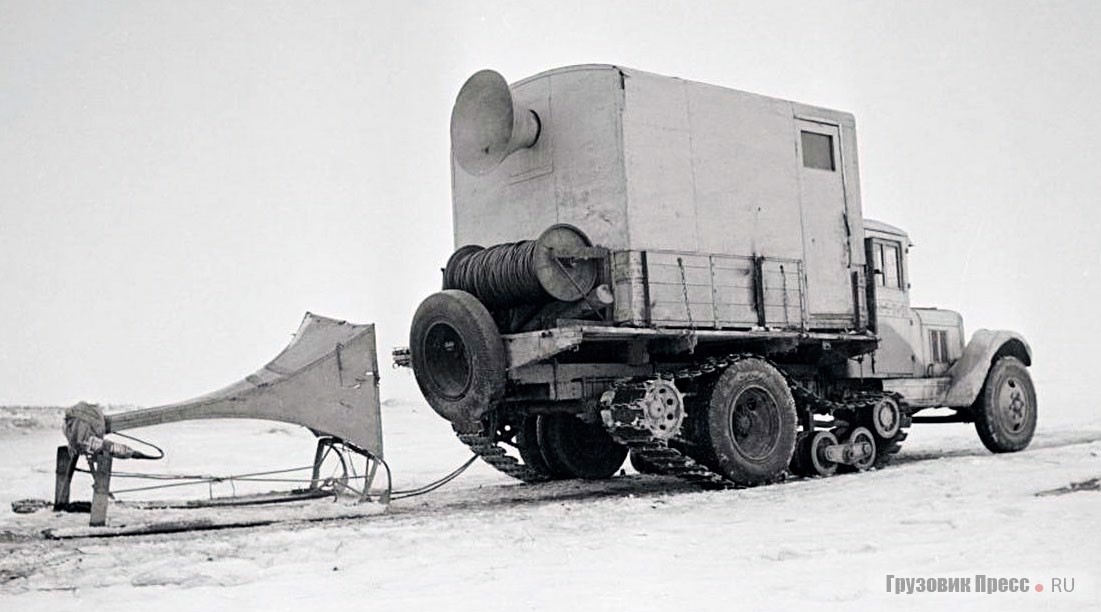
x: 680, y: 289
x: 733, y: 281
x: 784, y: 298
x: 783, y: 292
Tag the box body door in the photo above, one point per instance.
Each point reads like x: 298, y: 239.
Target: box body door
x: 826, y: 232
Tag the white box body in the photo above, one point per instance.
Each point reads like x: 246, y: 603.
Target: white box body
x: 688, y: 183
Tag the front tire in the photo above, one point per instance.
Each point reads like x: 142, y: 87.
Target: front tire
x: 1005, y: 413
x: 749, y: 432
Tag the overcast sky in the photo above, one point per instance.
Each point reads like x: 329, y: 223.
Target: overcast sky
x: 179, y: 182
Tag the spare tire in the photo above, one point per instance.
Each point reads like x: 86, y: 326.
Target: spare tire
x: 458, y: 357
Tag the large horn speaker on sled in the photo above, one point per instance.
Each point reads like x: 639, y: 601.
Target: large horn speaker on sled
x: 486, y: 124
x: 326, y: 379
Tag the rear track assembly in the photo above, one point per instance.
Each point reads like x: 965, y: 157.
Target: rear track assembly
x: 625, y: 406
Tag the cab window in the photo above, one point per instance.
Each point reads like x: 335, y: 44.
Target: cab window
x: 888, y: 264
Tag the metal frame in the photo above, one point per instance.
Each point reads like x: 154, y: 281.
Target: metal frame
x: 101, y: 464
x: 531, y: 347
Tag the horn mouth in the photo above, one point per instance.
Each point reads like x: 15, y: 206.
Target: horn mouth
x: 486, y: 124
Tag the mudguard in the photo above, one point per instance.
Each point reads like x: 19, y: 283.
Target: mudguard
x: 969, y: 373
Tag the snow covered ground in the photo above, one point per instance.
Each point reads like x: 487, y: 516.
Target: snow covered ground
x: 947, y: 508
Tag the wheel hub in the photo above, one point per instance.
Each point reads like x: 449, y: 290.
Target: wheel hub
x: 446, y: 357
x: 1013, y: 404
x: 755, y: 423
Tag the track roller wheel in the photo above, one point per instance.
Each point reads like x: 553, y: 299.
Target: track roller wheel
x: 861, y: 435
x: 810, y: 455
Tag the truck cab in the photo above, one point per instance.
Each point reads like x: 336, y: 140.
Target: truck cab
x: 914, y: 342
x: 923, y: 353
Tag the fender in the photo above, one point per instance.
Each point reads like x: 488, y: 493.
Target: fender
x: 969, y: 373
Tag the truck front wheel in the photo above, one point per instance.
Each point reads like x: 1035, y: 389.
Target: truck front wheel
x: 1005, y: 413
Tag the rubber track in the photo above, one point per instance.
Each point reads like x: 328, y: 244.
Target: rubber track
x: 483, y: 444
x: 668, y: 461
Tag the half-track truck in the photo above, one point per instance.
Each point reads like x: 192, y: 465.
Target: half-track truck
x: 683, y: 272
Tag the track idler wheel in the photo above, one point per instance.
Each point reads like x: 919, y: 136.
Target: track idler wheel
x: 886, y: 417
x: 458, y: 356
x: 574, y: 448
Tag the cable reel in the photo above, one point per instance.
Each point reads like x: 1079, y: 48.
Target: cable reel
x: 560, y: 265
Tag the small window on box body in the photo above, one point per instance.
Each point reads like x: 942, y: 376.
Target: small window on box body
x: 817, y: 150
